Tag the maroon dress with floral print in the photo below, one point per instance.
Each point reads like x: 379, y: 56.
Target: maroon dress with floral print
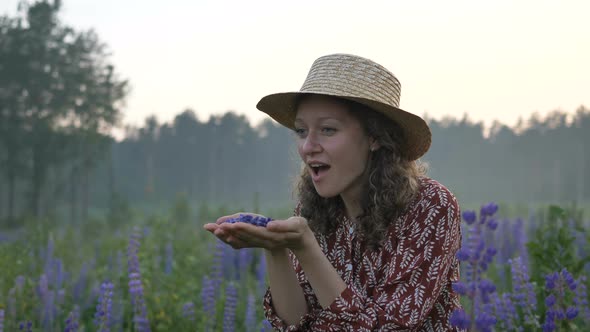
x: 405, y: 285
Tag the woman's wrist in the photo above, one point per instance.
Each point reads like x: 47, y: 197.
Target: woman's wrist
x: 308, y: 244
x: 276, y: 253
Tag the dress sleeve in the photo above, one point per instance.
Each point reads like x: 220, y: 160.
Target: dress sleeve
x: 313, y: 304
x: 411, y: 277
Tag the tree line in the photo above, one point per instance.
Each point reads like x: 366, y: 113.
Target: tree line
x: 60, y: 97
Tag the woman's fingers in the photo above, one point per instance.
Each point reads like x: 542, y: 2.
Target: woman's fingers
x: 276, y: 234
x: 210, y: 227
x: 223, y: 219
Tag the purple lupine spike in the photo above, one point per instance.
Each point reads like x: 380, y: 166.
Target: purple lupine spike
x: 505, y: 312
x: 80, y: 284
x: 188, y: 311
x: 47, y: 298
x: 19, y: 283
x: 581, y: 299
x: 477, y: 254
x: 469, y: 217
x: 218, y: 264
x: 104, y: 308
x: 460, y: 319
x: 231, y: 298
x: 571, y: 313
x: 208, y: 299
x: 559, y: 286
x: 250, y: 319
x: 266, y: 326
x: 72, y: 322
x: 135, y: 285
x: 1, y: 320
x: 244, y: 261
x: 230, y: 263
x: 484, y: 319
x: 569, y: 279
x: 26, y: 326
x: 523, y: 294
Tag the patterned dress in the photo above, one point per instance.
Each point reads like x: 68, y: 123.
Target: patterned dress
x: 405, y: 285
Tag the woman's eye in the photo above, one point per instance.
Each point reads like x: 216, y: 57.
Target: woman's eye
x: 328, y: 130
x: 300, y: 132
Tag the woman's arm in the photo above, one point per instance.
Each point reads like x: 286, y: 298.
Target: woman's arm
x: 288, y: 299
x: 322, y: 276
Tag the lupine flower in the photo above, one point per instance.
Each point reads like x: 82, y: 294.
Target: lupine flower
x: 266, y: 326
x: 47, y: 302
x: 250, y: 319
x: 26, y: 326
x: 460, y: 319
x: 489, y: 209
x: 523, y: 294
x: 188, y: 311
x: 19, y: 283
x: 460, y: 288
x: 506, y: 313
x: 476, y: 255
x: 571, y: 313
x: 208, y: 301
x: 245, y: 257
x: 484, y: 319
x: 135, y: 285
x: 557, y: 286
x: 104, y: 308
x: 231, y: 298
x: 230, y: 263
x: 1, y: 320
x: 72, y: 323
x: 581, y: 299
x: 217, y: 267
x: 469, y: 217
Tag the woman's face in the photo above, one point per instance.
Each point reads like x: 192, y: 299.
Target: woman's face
x: 333, y: 145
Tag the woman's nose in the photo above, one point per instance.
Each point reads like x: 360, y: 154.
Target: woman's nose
x: 310, y: 145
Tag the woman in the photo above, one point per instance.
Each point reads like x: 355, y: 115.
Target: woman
x: 372, y: 244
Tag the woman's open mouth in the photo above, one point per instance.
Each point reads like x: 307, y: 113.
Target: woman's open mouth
x: 318, y: 170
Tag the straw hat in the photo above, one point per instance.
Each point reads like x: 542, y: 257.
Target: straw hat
x: 358, y: 79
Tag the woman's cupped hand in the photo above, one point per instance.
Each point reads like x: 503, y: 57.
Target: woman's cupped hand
x: 291, y: 233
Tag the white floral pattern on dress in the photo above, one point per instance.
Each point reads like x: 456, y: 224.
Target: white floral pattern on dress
x: 405, y: 285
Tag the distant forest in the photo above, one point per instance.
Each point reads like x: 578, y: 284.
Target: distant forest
x: 227, y: 161
x: 60, y: 97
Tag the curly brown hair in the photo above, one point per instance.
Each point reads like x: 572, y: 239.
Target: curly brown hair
x: 392, y: 183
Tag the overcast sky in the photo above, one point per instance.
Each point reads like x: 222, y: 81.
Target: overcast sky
x: 490, y: 59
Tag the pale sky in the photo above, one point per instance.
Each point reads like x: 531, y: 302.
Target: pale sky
x: 490, y: 59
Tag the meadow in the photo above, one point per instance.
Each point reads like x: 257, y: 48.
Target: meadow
x: 127, y: 272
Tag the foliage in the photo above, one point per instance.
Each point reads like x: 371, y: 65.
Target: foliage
x: 553, y: 297
x: 57, y: 273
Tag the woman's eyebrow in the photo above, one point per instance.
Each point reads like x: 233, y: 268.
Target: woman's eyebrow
x: 323, y: 118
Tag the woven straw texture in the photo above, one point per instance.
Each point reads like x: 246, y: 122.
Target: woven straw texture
x: 358, y: 79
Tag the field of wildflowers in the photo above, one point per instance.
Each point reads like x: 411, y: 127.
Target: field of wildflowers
x: 165, y: 274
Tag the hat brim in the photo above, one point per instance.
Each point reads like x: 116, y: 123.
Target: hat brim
x: 417, y: 135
